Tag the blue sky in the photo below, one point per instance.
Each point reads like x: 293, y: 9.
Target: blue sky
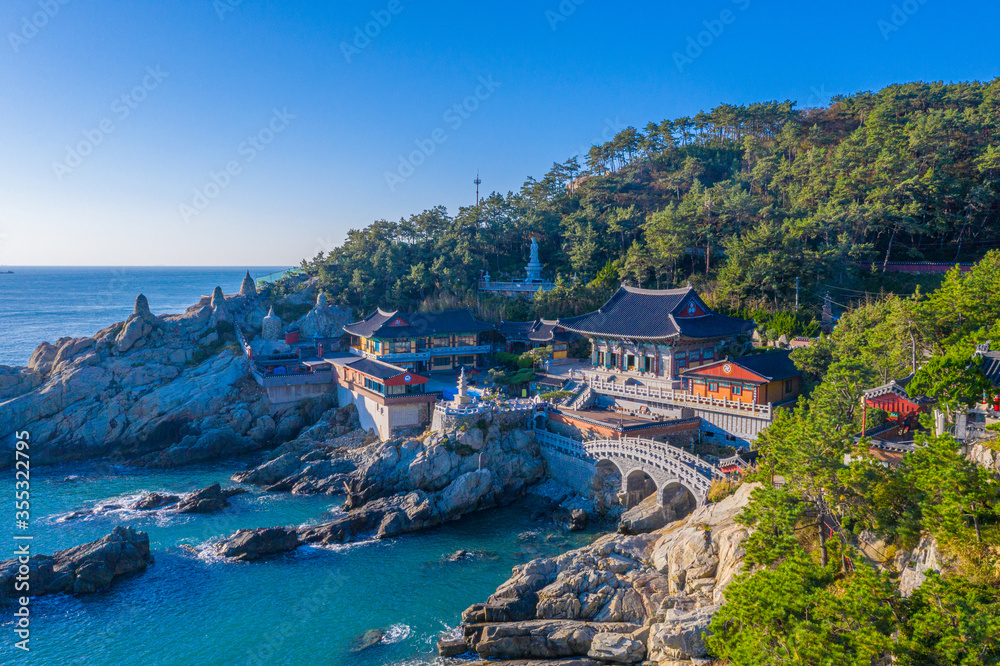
x: 114, y: 116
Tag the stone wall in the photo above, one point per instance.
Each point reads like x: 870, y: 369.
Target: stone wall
x: 576, y: 474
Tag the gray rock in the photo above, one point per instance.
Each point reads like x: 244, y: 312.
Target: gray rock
x: 154, y: 501
x: 249, y: 545
x: 84, y: 569
x: 617, y: 648
x: 208, y: 500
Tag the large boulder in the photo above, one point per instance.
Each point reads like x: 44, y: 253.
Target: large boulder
x: 207, y: 500
x: 81, y: 570
x: 255, y: 544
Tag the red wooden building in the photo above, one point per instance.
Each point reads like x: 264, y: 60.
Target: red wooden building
x: 761, y: 379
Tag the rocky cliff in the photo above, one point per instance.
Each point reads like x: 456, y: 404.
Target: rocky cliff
x: 152, y: 390
x: 623, y: 599
x: 398, y: 486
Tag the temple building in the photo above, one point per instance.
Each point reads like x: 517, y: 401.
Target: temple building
x: 522, y: 336
x: 387, y: 396
x: 422, y: 341
x: 762, y: 379
x: 656, y: 333
x: 662, y: 355
x: 532, y: 283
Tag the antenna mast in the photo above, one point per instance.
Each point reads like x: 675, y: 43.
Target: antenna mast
x: 478, y: 181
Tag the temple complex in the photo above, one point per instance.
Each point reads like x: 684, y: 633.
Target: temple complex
x: 422, y: 341
x: 665, y: 355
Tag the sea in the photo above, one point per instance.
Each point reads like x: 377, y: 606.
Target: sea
x: 191, y: 607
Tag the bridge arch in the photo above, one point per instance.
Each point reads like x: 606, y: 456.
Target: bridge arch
x: 647, y: 466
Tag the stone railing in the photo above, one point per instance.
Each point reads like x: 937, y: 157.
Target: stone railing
x: 681, y: 399
x: 651, y: 460
x: 483, y: 407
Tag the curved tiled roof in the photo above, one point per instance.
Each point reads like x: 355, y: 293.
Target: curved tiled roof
x: 379, y: 324
x: 540, y: 330
x: 652, y: 315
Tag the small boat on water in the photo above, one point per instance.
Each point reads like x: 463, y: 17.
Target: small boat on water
x: 6, y: 272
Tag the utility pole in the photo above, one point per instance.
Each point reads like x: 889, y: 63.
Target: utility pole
x: 796, y: 294
x: 478, y: 181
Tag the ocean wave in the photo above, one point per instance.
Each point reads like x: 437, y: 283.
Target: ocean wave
x: 396, y: 633
x: 336, y: 547
x: 121, y: 507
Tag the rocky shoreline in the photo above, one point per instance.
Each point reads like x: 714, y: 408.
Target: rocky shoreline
x: 154, y: 391
x: 623, y: 599
x: 397, y: 487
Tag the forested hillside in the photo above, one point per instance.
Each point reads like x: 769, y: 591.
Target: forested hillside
x: 836, y: 557
x: 739, y: 200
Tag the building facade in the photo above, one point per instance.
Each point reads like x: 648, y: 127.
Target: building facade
x: 770, y: 378
x: 388, y: 397
x: 422, y: 341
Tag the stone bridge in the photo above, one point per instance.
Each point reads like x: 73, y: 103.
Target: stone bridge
x: 639, y: 460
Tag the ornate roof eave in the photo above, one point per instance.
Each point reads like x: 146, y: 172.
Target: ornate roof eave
x: 623, y: 338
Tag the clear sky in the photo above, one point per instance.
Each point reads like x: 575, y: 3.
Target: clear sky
x: 115, y: 115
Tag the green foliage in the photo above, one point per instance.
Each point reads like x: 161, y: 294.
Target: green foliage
x: 556, y: 395
x: 512, y: 361
x: 772, y: 514
x: 745, y: 198
x: 535, y: 356
x: 952, y: 379
x: 799, y: 613
x: 952, y: 622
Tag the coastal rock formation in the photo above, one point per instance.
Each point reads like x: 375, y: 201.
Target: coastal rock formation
x: 324, y: 320
x: 436, y: 460
x: 405, y: 485
x: 318, y: 461
x: 153, y: 390
x: 914, y: 565
x: 623, y: 599
x: 84, y: 569
x: 207, y: 500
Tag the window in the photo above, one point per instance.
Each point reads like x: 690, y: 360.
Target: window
x: 737, y: 390
x: 440, y: 341
x: 648, y: 367
x: 600, y: 358
x: 680, y: 360
x: 613, y: 360
x: 695, y: 357
x: 466, y: 341
x: 713, y: 387
x: 469, y: 361
x: 401, y: 347
x: 440, y: 361
x: 707, y: 355
x: 788, y: 386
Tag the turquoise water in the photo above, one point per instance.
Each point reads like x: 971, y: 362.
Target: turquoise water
x: 302, y: 608
x: 42, y: 304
